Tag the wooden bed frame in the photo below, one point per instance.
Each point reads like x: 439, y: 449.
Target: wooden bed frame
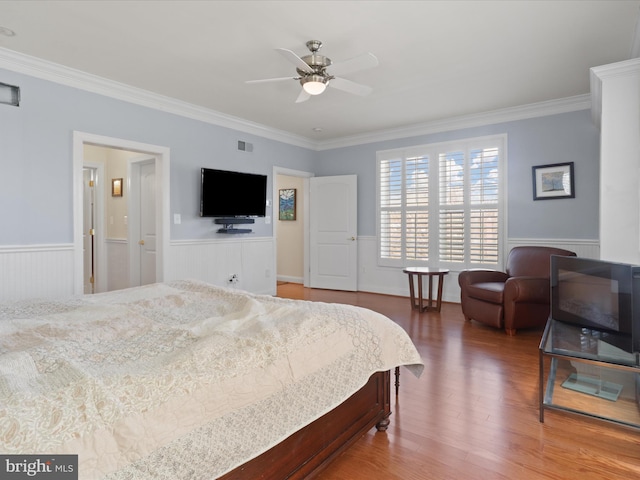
x: 309, y: 450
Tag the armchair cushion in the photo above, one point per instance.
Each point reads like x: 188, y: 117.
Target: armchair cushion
x: 488, y: 291
x: 517, y: 298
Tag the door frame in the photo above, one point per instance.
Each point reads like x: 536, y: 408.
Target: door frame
x: 274, y: 211
x: 162, y: 162
x: 100, y: 250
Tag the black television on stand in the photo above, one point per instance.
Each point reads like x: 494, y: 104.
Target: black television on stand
x: 600, y: 296
x: 232, y: 197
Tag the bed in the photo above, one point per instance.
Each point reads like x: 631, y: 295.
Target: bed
x: 186, y: 380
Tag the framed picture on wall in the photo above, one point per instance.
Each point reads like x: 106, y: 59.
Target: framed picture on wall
x: 116, y: 187
x: 287, y: 204
x: 553, y: 181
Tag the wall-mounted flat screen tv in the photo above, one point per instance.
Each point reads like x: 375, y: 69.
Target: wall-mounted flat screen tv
x: 225, y: 193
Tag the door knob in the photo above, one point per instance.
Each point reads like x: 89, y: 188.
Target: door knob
x: 141, y: 242
x: 353, y: 239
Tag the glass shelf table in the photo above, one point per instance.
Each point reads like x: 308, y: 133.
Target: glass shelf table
x: 583, y: 371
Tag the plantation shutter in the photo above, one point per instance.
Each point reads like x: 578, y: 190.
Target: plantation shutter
x: 452, y: 214
x: 390, y: 213
x: 417, y: 208
x: 483, y: 208
x: 440, y: 205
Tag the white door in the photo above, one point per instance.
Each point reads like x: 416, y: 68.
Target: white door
x: 147, y: 223
x: 333, y: 251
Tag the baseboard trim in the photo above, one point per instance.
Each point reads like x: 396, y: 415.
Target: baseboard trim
x: 290, y: 279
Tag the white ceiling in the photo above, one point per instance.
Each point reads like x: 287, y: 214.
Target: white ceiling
x: 437, y: 59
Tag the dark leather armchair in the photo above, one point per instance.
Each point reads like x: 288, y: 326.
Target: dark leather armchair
x: 517, y: 298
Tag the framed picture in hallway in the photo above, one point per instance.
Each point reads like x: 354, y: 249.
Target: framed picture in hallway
x: 287, y: 204
x: 116, y: 187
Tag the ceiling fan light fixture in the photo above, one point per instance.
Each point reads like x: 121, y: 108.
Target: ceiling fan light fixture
x: 314, y: 84
x: 315, y: 72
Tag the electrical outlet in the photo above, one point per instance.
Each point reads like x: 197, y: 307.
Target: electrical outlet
x: 233, y: 278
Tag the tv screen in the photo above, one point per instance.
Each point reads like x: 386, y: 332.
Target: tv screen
x: 232, y: 194
x: 592, y: 293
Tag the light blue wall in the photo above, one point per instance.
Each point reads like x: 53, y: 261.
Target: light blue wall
x: 36, y: 198
x: 568, y: 137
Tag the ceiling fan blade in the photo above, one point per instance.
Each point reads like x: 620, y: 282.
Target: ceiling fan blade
x: 351, y: 87
x: 264, y: 80
x: 303, y: 97
x: 355, y: 64
x: 295, y: 59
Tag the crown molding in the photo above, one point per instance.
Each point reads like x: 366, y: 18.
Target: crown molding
x: 523, y: 112
x: 60, y: 74
x: 618, y: 69
x: 598, y: 74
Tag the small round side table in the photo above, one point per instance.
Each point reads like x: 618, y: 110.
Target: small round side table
x: 419, y: 272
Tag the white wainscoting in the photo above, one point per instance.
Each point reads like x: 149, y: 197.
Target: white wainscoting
x: 47, y: 270
x: 374, y: 278
x: 214, y: 261
x: 36, y: 271
x: 583, y: 248
x: 117, y: 263
x: 391, y: 281
x: 290, y: 279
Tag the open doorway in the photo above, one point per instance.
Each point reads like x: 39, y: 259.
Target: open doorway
x: 111, y: 219
x: 144, y: 190
x: 330, y: 247
x: 292, y: 236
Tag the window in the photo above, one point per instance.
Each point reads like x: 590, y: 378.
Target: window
x: 442, y: 204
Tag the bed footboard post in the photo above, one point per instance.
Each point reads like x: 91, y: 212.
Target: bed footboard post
x: 383, y: 424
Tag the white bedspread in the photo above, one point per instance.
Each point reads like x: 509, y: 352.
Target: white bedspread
x: 182, y: 380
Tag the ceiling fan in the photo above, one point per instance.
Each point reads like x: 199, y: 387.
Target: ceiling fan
x: 316, y: 72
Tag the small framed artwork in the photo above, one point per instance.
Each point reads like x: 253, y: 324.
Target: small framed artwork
x: 553, y: 181
x: 116, y: 187
x: 287, y: 204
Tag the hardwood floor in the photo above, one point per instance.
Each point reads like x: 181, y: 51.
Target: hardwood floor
x: 474, y: 412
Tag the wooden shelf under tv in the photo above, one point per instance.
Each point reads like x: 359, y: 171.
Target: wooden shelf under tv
x: 229, y: 223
